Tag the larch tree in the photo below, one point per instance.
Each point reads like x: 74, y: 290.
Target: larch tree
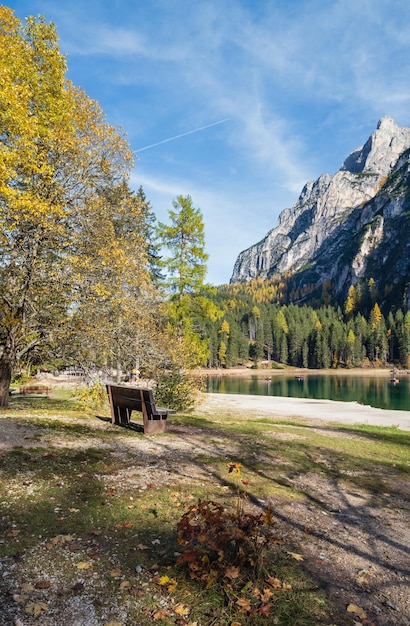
x: 68, y: 248
x: 186, y: 269
x: 185, y: 238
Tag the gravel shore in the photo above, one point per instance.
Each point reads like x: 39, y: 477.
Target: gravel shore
x: 324, y: 410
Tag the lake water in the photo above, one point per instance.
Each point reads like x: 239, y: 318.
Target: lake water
x: 376, y: 391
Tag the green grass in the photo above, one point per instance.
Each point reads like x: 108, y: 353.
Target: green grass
x: 64, y: 505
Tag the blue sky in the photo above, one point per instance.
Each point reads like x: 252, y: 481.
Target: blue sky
x: 282, y: 90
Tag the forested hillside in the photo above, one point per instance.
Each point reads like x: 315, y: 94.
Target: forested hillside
x: 255, y: 325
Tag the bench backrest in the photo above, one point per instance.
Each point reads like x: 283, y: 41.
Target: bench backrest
x: 125, y: 397
x: 132, y: 398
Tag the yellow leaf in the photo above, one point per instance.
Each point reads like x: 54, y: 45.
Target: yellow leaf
x: 297, y: 557
x: 353, y: 608
x: 84, y: 565
x: 181, y: 609
x: 256, y: 592
x: 236, y: 624
x: 213, y: 575
x: 267, y: 594
x: 36, y: 608
x: 164, y: 580
x: 172, y: 586
x: 274, y: 582
x: 115, y: 573
x: 232, y: 572
x: 112, y: 623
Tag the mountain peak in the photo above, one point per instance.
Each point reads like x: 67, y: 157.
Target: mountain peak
x: 387, y: 124
x: 357, y: 209
x: 381, y: 151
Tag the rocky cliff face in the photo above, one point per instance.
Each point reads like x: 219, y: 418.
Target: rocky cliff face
x: 346, y: 227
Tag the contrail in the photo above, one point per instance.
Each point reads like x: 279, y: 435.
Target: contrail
x: 196, y: 130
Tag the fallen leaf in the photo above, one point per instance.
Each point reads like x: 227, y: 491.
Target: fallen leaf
x: 354, y: 608
x: 43, y: 584
x: 163, y: 580
x: 264, y: 609
x: 172, y: 586
x: 274, y: 582
x: 244, y: 605
x: 125, y: 584
x: 141, y: 546
x: 73, y: 510
x: 236, y: 624
x: 266, y: 595
x: 126, y: 524
x: 84, y: 565
x: 161, y: 614
x: 13, y: 533
x: 181, y: 609
x: 232, y: 572
x: 36, y: 608
x: 297, y: 557
x: 20, y: 598
x: 115, y: 573
x: 136, y: 591
x: 59, y: 539
x: 112, y: 623
x: 362, y: 579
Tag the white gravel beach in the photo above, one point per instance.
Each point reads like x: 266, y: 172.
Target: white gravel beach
x: 323, y: 410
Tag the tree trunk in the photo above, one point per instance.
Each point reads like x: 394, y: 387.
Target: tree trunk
x: 5, y: 379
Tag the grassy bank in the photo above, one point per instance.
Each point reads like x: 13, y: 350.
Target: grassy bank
x: 89, y: 516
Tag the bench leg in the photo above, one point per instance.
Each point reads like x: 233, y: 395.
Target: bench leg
x: 154, y: 426
x: 120, y: 415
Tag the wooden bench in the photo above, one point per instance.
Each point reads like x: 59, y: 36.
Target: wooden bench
x: 124, y: 400
x: 35, y: 389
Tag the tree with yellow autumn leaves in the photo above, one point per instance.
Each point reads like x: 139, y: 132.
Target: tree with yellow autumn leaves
x: 73, y: 261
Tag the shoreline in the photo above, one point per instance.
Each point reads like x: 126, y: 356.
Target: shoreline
x: 248, y: 407
x: 267, y: 371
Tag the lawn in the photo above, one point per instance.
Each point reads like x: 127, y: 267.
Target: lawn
x: 101, y: 525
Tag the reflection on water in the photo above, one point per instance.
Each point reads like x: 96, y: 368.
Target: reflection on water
x: 374, y: 391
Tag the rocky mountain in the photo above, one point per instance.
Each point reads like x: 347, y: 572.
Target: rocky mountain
x: 347, y: 227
